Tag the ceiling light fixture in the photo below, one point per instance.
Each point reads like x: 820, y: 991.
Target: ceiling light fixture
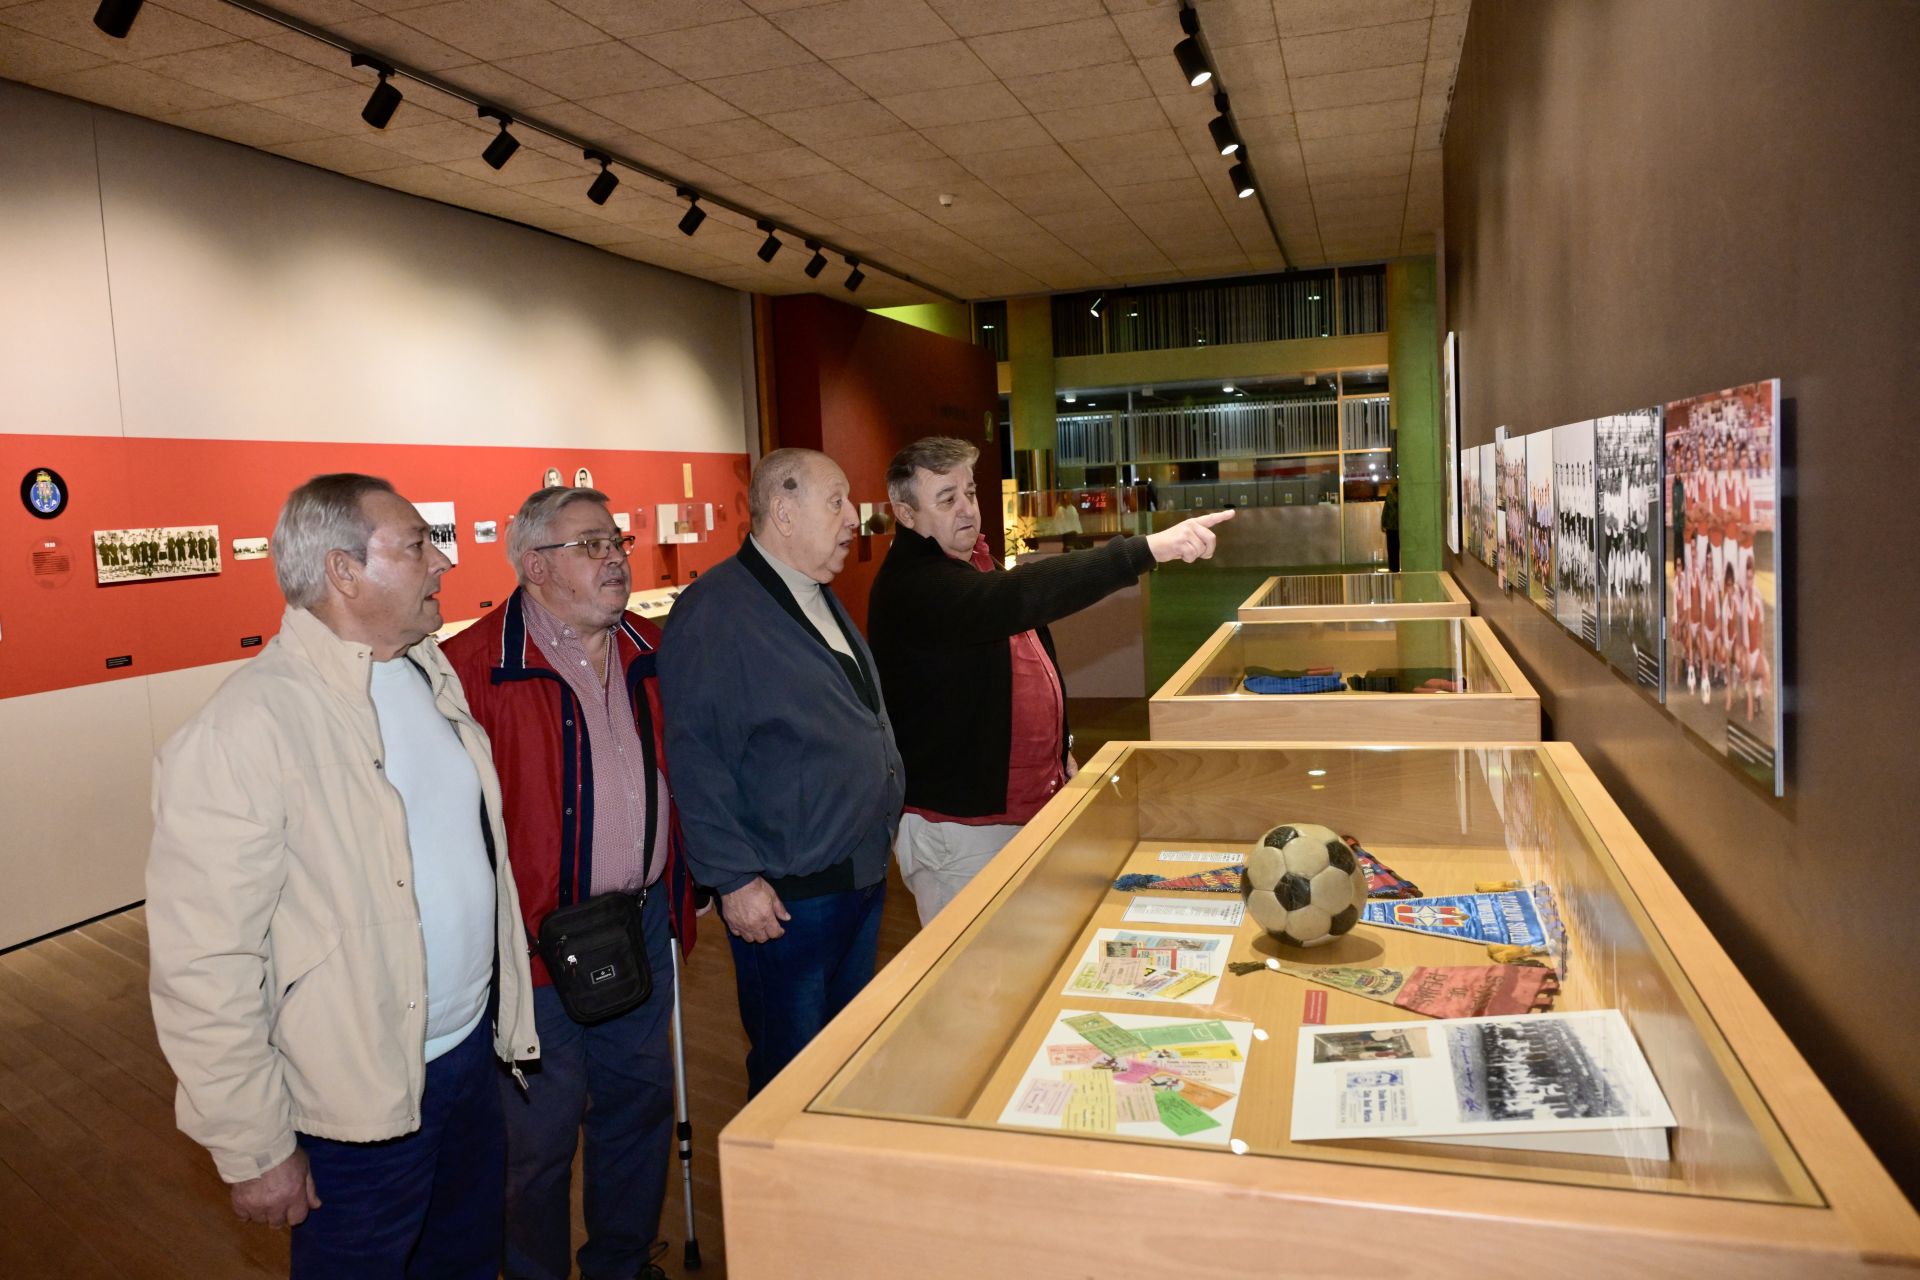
x: 1068, y: 397
x: 855, y: 276
x: 607, y: 179
x: 1228, y: 389
x: 690, y: 220
x: 1193, y: 62
x: 1221, y: 128
x: 504, y: 144
x: 1094, y: 310
x: 115, y: 17
x: 817, y: 263
x: 384, y: 100
x: 1242, y: 179
x: 769, y: 246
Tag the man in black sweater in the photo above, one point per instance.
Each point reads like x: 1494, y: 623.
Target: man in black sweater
x: 973, y: 687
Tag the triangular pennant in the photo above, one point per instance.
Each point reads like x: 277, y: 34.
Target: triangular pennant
x: 1438, y: 991
x: 1509, y: 917
x: 1382, y: 880
x: 1212, y: 880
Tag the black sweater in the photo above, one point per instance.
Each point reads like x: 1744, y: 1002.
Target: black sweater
x: 940, y: 628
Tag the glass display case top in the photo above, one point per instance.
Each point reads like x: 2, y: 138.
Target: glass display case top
x: 1294, y: 590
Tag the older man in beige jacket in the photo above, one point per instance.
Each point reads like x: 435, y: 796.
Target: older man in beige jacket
x: 335, y: 936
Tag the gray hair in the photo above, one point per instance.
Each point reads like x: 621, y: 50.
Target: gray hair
x: 779, y: 472
x: 325, y: 514
x: 938, y: 454
x: 533, y: 524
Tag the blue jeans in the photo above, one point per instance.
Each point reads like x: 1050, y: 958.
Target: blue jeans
x: 424, y: 1205
x: 791, y: 987
x: 617, y: 1076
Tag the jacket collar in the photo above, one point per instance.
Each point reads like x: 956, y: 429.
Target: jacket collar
x: 346, y: 666
x: 515, y: 652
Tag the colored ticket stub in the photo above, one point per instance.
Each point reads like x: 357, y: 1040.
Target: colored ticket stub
x: 1133, y: 1102
x: 1180, y: 1115
x: 1042, y: 1097
x: 1208, y: 1032
x: 1091, y: 1106
x: 1100, y: 1031
x: 1225, y: 914
x: 1200, y: 855
x: 1074, y: 1055
x: 1184, y: 983
x: 1200, y: 1093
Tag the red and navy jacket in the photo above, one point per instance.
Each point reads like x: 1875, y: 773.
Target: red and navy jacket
x: 543, y: 756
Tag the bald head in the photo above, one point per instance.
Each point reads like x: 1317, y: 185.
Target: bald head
x: 801, y: 514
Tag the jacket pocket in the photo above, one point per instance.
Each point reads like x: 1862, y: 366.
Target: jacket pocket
x: 302, y: 938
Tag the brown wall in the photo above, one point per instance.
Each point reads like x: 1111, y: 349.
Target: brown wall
x: 1647, y: 199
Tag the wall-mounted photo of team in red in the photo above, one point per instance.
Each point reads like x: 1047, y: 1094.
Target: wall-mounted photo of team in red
x: 1723, y: 585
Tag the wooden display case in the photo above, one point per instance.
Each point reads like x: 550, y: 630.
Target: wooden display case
x: 1489, y: 700
x: 879, y: 1152
x: 1325, y: 597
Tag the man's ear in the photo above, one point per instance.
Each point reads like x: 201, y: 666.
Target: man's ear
x: 344, y: 573
x: 533, y: 567
x: 903, y: 513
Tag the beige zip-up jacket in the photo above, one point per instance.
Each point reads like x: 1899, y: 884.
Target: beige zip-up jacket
x: 288, y: 964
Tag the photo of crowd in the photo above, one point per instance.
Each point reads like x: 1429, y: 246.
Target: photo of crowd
x: 1722, y: 584
x: 1513, y: 503
x: 1539, y: 526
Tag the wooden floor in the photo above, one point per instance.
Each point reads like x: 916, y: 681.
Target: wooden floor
x: 95, y: 1180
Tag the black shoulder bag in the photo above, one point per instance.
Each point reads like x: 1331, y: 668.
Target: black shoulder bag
x: 596, y: 955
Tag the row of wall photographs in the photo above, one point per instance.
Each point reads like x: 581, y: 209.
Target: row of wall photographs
x: 1651, y: 535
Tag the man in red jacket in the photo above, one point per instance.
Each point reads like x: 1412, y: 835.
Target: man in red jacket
x: 561, y: 676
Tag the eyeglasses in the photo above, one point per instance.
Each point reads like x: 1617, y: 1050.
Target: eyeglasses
x: 596, y: 548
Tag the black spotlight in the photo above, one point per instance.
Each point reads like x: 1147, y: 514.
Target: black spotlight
x: 817, y: 263
x: 690, y: 220
x: 384, y: 100
x: 115, y: 17
x: 855, y: 276
x: 1242, y: 179
x: 606, y: 181
x: 1222, y: 128
x: 1193, y: 63
x: 504, y: 144
x: 769, y: 246
x: 1094, y: 310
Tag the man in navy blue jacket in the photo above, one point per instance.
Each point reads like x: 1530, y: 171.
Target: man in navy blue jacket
x: 783, y: 761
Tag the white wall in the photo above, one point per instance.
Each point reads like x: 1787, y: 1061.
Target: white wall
x: 157, y: 283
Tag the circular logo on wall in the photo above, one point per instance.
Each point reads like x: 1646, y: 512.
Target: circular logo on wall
x: 43, y: 492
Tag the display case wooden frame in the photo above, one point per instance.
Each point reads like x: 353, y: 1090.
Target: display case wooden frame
x: 876, y: 1153
x: 1322, y: 597
x: 1205, y: 699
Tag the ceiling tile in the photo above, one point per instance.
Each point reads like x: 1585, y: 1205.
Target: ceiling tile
x: 671, y: 106
x: 901, y: 144
x: 1352, y: 88
x: 1336, y: 188
x: 1332, y: 169
x: 957, y: 105
x: 1186, y: 189
x: 491, y: 29
x: 849, y: 28
x: 788, y: 162
x: 1308, y: 17
x: 1224, y: 23
x: 342, y: 155
x: 1056, y: 48
x: 834, y: 195
x: 26, y: 57
x: 984, y: 17
x: 999, y: 166
x: 1433, y: 108
x: 624, y: 18
x: 246, y: 123
x: 929, y: 66
x: 1137, y: 169
x: 489, y: 83
x: 1081, y: 87
x: 723, y: 48
x: 435, y: 141
x: 338, y: 110
x: 158, y: 32
x: 132, y: 89
x: 808, y: 84
x: 1387, y: 46
x: 225, y: 17
x: 1448, y: 33
x: 526, y: 166
x: 988, y: 135
x: 892, y: 176
x: 590, y: 72
x: 814, y: 126
x: 1158, y: 142
x: 1393, y: 142
x: 1140, y: 116
x: 1254, y: 76
x: 400, y: 43
x: 243, y: 71
x: 1372, y: 117
x: 722, y: 138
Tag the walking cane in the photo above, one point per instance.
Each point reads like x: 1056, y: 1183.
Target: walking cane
x: 683, y: 1127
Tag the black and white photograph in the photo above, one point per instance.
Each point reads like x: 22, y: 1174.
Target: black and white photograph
x: 1472, y: 524
x: 1539, y: 526
x: 1370, y: 1046
x: 1513, y: 511
x: 1626, y: 462
x: 1521, y: 1069
x: 1573, y: 530
x: 1490, y: 506
x: 1723, y: 582
x: 145, y: 555
x: 441, y: 529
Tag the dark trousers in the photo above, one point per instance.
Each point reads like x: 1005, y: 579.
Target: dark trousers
x: 617, y: 1076
x: 424, y: 1205
x: 1393, y: 550
x: 792, y: 986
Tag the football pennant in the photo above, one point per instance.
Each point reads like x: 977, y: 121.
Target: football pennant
x: 1510, y: 917
x: 1438, y: 991
x: 1382, y: 880
x: 1212, y: 880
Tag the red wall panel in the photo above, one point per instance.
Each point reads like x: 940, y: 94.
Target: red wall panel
x: 858, y: 386
x: 57, y: 636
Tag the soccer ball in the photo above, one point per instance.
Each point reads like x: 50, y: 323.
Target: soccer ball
x: 1303, y: 885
